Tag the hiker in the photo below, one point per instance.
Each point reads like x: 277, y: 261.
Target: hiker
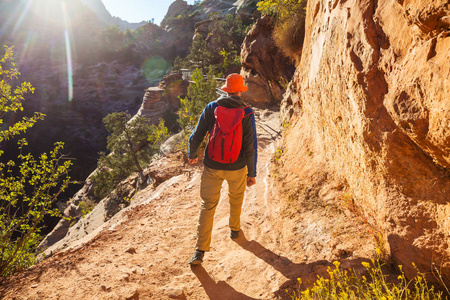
x: 230, y: 155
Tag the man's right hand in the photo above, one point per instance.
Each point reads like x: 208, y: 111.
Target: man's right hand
x: 193, y: 161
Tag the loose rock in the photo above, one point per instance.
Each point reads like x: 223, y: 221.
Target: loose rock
x: 175, y: 293
x: 131, y: 250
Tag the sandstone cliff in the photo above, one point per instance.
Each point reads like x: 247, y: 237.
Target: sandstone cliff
x: 264, y: 66
x: 372, y: 103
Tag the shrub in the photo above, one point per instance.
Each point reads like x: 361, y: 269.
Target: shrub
x: 289, y: 35
x: 348, y: 284
x: 200, y: 92
x: 289, y: 30
x: 28, y: 186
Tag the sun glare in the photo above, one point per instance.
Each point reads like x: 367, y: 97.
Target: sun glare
x: 44, y: 12
x: 68, y: 51
x: 49, y: 10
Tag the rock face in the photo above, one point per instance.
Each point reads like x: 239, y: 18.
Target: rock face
x: 264, y: 66
x: 372, y: 100
x: 182, y: 20
x: 152, y: 107
x: 179, y: 30
x: 158, y: 100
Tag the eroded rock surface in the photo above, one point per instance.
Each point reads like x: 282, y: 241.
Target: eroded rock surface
x: 264, y: 66
x: 372, y: 100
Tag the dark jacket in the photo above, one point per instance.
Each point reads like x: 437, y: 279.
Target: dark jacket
x: 249, y: 151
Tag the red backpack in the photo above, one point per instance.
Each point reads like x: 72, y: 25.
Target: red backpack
x: 225, y: 140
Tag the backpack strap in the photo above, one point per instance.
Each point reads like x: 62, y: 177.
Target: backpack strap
x: 252, y: 112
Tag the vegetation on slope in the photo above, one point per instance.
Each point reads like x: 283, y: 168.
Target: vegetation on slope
x: 220, y: 49
x: 131, y: 145
x: 28, y: 185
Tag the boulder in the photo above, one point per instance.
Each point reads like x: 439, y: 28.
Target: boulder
x: 177, y: 8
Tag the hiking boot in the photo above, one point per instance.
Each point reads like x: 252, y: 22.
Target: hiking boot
x: 197, y: 258
x: 234, y: 234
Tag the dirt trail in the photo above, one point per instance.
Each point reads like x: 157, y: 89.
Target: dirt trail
x: 142, y: 252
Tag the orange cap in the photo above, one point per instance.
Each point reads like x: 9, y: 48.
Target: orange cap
x: 234, y: 84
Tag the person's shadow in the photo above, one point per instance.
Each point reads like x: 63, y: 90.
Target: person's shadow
x: 293, y: 271
x: 222, y: 290
x: 289, y: 269
x: 217, y: 290
x: 307, y: 272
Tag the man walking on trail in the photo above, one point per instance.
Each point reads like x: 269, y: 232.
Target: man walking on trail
x: 230, y: 155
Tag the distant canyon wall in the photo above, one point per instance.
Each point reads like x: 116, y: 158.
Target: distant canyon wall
x: 371, y: 97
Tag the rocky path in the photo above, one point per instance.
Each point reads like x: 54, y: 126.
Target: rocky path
x: 142, y: 252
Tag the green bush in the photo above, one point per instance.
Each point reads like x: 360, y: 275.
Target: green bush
x: 28, y: 185
x: 200, y: 92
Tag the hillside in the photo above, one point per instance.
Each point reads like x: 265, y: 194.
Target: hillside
x: 142, y: 252
x: 108, y: 70
x: 104, y: 15
x: 353, y: 158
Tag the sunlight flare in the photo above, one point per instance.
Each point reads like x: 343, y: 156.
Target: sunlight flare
x: 154, y: 68
x: 22, y: 16
x: 69, y: 65
x: 68, y: 51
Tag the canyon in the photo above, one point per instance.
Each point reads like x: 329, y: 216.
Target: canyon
x: 354, y: 158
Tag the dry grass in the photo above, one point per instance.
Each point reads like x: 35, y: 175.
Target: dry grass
x: 348, y: 284
x: 289, y: 35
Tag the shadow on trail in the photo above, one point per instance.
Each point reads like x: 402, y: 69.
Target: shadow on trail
x: 217, y: 290
x: 307, y: 272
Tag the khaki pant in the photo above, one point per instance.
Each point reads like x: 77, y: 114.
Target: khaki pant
x: 210, y: 193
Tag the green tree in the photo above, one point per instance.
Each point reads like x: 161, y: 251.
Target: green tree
x: 28, y: 186
x: 200, y: 92
x: 220, y: 50
x: 131, y: 145
x: 199, y: 54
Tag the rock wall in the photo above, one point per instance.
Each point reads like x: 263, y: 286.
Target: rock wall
x: 158, y: 100
x: 372, y: 101
x: 264, y: 66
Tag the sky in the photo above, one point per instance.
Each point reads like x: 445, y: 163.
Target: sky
x: 135, y: 11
